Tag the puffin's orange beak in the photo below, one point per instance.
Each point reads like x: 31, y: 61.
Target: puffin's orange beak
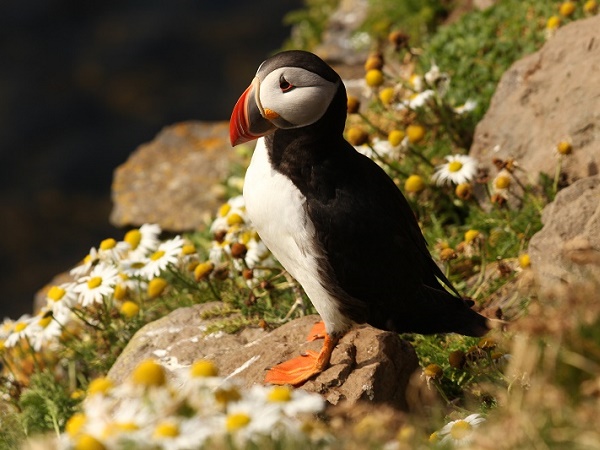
x: 247, y: 121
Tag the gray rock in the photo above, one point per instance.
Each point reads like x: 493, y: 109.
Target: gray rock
x: 567, y: 248
x: 544, y: 98
x: 368, y: 364
x: 171, y: 181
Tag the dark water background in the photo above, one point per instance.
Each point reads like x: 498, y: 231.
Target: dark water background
x: 82, y: 84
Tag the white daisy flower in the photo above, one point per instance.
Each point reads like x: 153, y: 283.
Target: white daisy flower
x: 469, y: 106
x: 167, y: 254
x: 419, y: 100
x: 91, y: 259
x: 143, y: 241
x: 460, y: 432
x: 48, y: 327
x: 20, y: 330
x: 231, y: 214
x: 99, y: 283
x: 458, y: 169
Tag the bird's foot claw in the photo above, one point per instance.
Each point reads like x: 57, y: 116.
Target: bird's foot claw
x: 295, y: 371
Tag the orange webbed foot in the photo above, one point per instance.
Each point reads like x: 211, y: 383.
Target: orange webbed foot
x: 316, y: 332
x: 300, y: 369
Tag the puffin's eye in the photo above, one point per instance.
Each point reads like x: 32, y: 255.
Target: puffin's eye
x: 285, y: 85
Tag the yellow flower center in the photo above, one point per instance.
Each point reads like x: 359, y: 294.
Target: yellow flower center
x: 166, y: 430
x: 567, y: 8
x: 45, y: 321
x: 56, y: 293
x: 129, y: 309
x: 94, y: 282
x: 415, y: 133
x: 280, y: 394
x: 75, y: 423
x: 374, y: 78
x: 395, y: 137
x: 234, y: 219
x: 108, y: 244
x: 432, y: 371
x: 204, y: 368
x: 87, y: 259
x: 188, y: 249
x: 553, y: 23
x: 502, y: 182
x: 149, y: 373
x: 471, y: 235
x: 120, y: 291
x: 157, y: 255
x: 156, y: 287
x: 455, y: 166
x: 133, y: 238
x: 386, y: 95
x: 20, y: 326
x: 88, y: 442
x: 236, y: 421
x: 460, y: 430
x: 99, y: 386
x: 224, y: 209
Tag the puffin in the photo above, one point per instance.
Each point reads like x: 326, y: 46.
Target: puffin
x: 333, y: 218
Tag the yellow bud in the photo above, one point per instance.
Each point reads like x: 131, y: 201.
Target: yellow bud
x: 374, y: 62
x: 471, y: 235
x: 129, y: 309
x: 502, y: 182
x: 188, y: 249
x: 414, y: 184
x: 567, y: 8
x: 374, y: 78
x: 149, y: 373
x: 120, y: 292
x: 524, y: 260
x: 553, y: 23
x: 564, y: 148
x: 357, y: 136
x: 353, y: 104
x: 590, y: 7
x: 386, y: 95
x: 203, y: 270
x: 464, y: 191
x: 433, y: 371
x: 156, y: 287
x: 395, y: 137
x: 99, y: 386
x: 415, y: 133
x: 204, y: 368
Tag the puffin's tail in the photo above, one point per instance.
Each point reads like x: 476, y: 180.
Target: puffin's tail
x: 441, y: 312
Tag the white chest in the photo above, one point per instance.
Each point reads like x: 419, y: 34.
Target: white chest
x: 276, y: 208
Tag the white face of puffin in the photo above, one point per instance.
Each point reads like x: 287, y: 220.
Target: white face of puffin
x: 292, y: 97
x: 285, y: 98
